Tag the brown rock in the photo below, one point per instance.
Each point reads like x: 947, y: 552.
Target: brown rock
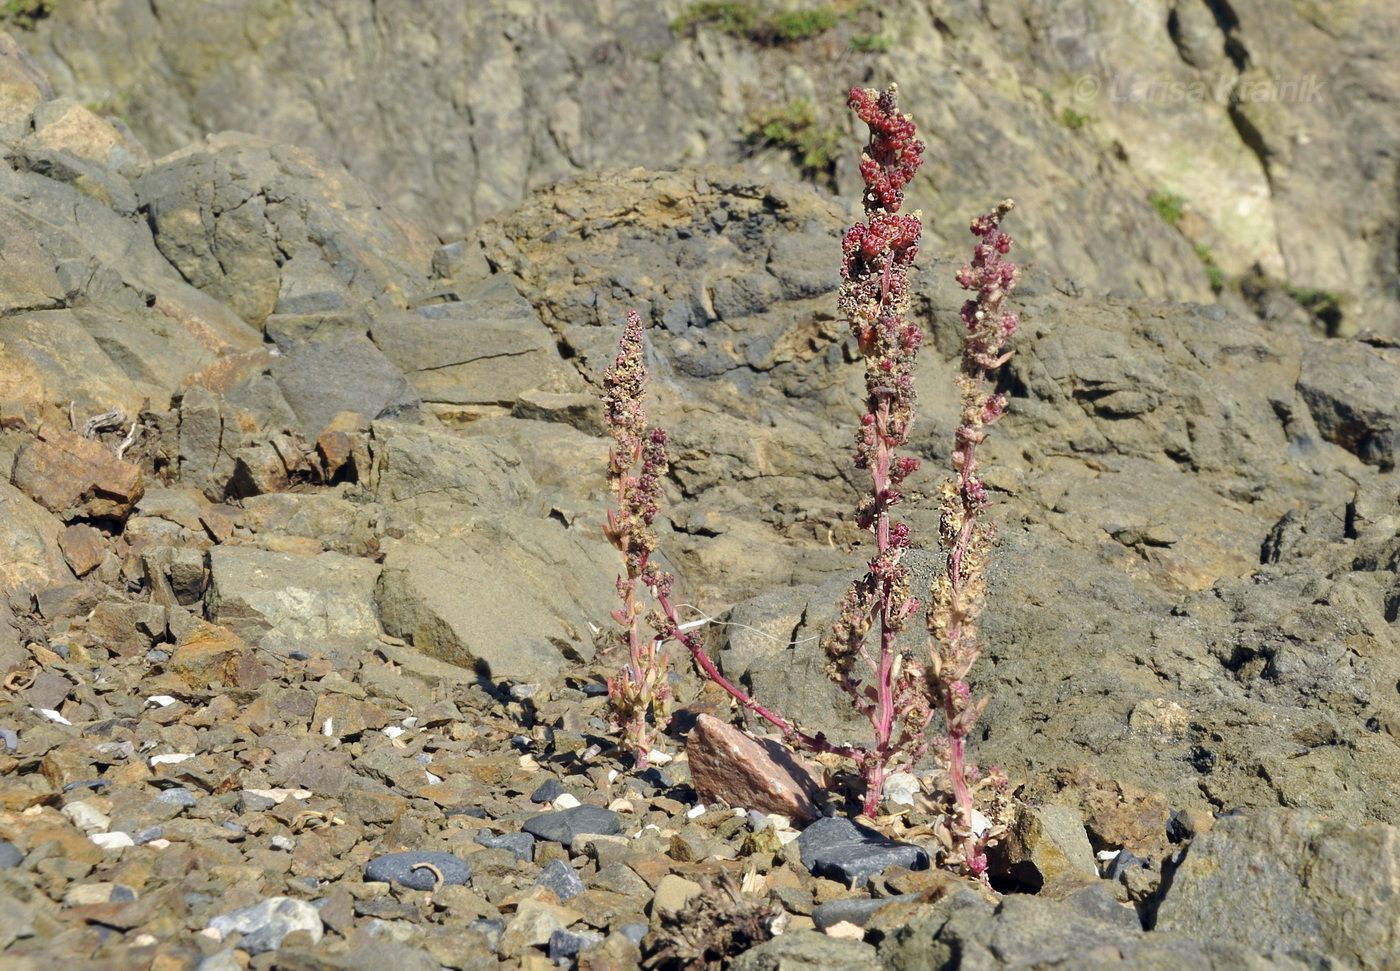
x: 730, y: 764
x: 212, y: 654
x: 76, y: 477
x: 340, y: 716
x: 1116, y: 814
x: 83, y: 547
x: 126, y: 629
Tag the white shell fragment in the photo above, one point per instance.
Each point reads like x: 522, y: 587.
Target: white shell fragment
x: 170, y: 758
x: 52, y: 715
x: 160, y: 701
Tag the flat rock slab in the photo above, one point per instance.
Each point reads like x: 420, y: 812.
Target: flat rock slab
x: 855, y: 911
x: 839, y: 849
x: 729, y: 764
x: 564, y: 825
x: 410, y: 869
x: 562, y: 879
x: 320, y: 379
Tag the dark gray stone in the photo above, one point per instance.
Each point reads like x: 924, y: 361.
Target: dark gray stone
x: 322, y: 378
x: 839, y: 849
x: 400, y: 868
x: 521, y: 845
x: 10, y: 856
x: 562, y: 826
x: 565, y: 945
x: 548, y: 792
x: 561, y: 878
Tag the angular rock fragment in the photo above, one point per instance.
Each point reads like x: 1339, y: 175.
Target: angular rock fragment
x: 729, y: 764
x: 839, y: 849
x: 76, y: 477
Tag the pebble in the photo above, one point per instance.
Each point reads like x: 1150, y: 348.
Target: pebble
x: 10, y: 738
x: 561, y: 878
x: 838, y: 849
x: 521, y: 845
x: 148, y: 835
x: 177, y: 797
x: 399, y: 868
x: 547, y: 793
x: 856, y: 912
x: 10, y: 856
x: 86, y: 816
x: 224, y: 960
x: 264, y: 926
x: 1123, y: 861
x: 673, y: 893
x: 565, y: 945
x: 87, y: 784
x: 285, y: 843
x: 565, y: 800
x: 491, y: 929
x: 112, y: 841
x: 634, y: 932
x: 563, y: 825
x: 594, y: 689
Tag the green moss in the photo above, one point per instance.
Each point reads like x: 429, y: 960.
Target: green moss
x: 870, y: 43
x: 748, y: 20
x: 1213, y: 271
x: 1073, y: 120
x: 24, y: 14
x: 730, y: 18
x: 1169, y: 206
x: 791, y: 26
x: 794, y: 126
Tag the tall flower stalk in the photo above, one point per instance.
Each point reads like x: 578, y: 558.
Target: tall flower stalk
x: 640, y: 693
x: 885, y: 686
x: 957, y: 594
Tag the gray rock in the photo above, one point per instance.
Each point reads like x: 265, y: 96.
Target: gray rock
x: 288, y: 600
x: 489, y: 349
x: 263, y: 926
x: 564, y: 825
x: 177, y: 797
x: 1285, y: 881
x: 551, y: 789
x: 1023, y: 932
x: 558, y: 876
x: 409, y: 869
x: 521, y: 845
x: 857, y: 911
x: 565, y: 945
x: 10, y: 856
x: 1350, y: 393
x: 839, y: 849
x: 808, y: 949
x: 321, y: 378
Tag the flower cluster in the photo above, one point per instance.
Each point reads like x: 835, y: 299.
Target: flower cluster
x: 639, y: 694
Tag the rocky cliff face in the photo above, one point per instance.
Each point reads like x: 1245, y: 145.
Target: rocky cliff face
x: 301, y: 444
x: 1263, y: 134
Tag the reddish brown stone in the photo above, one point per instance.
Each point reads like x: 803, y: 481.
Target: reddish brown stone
x: 83, y: 547
x: 77, y: 477
x: 729, y: 764
x: 334, y: 449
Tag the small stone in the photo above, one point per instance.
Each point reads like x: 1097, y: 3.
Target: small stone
x: 565, y: 800
x: 113, y: 841
x: 224, y: 960
x: 87, y: 817
x: 253, y: 802
x: 84, y: 547
x: 855, y: 912
x: 634, y: 932
x: 838, y: 849
x: 565, y: 945
x: 491, y: 928
x: 564, y: 825
x: 551, y: 789
x: 1045, y: 845
x: 520, y: 845
x: 264, y: 926
x: 10, y: 856
x: 673, y: 893
x: 561, y: 878
x: 901, y: 787
x: 177, y: 797
x: 410, y: 869
x: 533, y: 924
x: 729, y: 764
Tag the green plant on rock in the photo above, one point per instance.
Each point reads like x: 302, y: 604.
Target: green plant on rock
x: 25, y: 14
x: 1075, y: 121
x: 870, y: 43
x: 1324, y: 306
x: 793, y: 126
x: 1213, y: 271
x: 1169, y: 206
x: 747, y: 20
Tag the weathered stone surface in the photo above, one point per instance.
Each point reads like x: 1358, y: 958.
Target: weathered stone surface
x: 210, y: 654
x: 320, y: 379
x: 83, y: 547
x: 729, y: 764
x: 839, y: 849
x: 428, y: 467
x: 1350, y: 392
x: 808, y: 949
x: 1045, y: 848
x: 30, y: 555
x: 77, y: 477
x: 486, y: 350
x: 1288, y: 882
x: 266, y: 227
x: 286, y: 600
x: 411, y: 869
x: 482, y: 601
x: 263, y: 926
x: 564, y: 825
